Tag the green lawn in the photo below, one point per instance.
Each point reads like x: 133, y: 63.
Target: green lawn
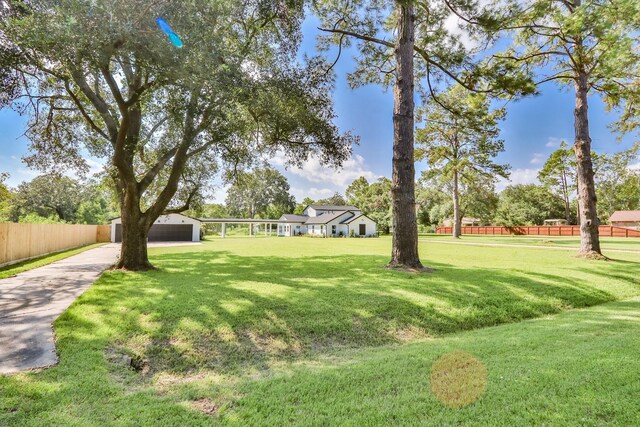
x: 315, y: 331
x: 618, y: 243
x: 12, y: 270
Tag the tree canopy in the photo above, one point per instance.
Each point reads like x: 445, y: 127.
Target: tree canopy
x: 558, y: 174
x: 373, y: 199
x: 527, y: 205
x: 593, y: 47
x: 100, y: 76
x: 263, y: 192
x: 459, y: 142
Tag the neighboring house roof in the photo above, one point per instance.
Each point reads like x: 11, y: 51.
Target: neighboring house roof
x: 350, y: 220
x: 325, y: 218
x: 625, y: 216
x: 292, y: 217
x: 333, y: 208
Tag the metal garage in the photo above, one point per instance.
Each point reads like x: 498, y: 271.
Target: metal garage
x: 164, y: 233
x: 168, y: 228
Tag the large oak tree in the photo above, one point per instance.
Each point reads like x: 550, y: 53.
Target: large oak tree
x: 101, y: 77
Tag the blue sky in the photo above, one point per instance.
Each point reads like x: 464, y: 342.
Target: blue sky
x: 531, y: 131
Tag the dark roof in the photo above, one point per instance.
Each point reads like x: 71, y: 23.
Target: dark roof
x: 349, y: 220
x: 325, y: 218
x: 625, y: 216
x: 293, y: 217
x: 333, y: 207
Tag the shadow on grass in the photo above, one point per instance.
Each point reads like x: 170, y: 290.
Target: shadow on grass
x: 228, y: 312
x: 231, y: 315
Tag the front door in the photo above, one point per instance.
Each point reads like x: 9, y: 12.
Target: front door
x: 363, y: 229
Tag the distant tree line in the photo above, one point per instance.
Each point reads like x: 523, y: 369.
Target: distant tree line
x: 617, y: 188
x: 55, y: 198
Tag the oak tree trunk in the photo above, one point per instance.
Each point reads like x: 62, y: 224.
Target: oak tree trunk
x: 588, y: 218
x: 135, y: 230
x: 457, y: 220
x: 404, y: 253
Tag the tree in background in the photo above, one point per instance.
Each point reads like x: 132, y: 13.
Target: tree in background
x: 527, y: 205
x: 98, y: 203
x: 5, y: 198
x: 389, y: 35
x: 374, y: 200
x: 263, y: 192
x: 337, y: 199
x: 593, y: 47
x: 459, y: 142
x: 356, y: 193
x: 558, y: 174
x: 299, y: 209
x: 58, y: 198
x: 617, y: 182
x: 101, y: 76
x: 477, y: 199
x: 46, y: 196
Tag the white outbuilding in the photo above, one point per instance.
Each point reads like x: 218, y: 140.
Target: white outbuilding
x: 167, y: 228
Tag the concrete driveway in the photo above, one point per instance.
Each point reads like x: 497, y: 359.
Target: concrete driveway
x: 31, y: 301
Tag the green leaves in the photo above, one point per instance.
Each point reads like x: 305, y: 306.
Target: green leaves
x: 262, y: 192
x: 461, y: 136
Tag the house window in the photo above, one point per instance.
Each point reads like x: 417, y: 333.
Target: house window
x: 333, y: 229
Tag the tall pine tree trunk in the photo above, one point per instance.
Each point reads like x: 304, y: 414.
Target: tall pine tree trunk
x: 404, y: 253
x: 565, y: 197
x: 588, y: 218
x: 457, y: 220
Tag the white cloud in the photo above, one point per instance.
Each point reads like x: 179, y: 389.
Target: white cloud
x: 217, y: 194
x: 27, y: 173
x: 554, y: 142
x: 537, y: 158
x: 454, y: 25
x: 519, y: 176
x: 313, y: 192
x: 314, y: 172
x: 94, y: 166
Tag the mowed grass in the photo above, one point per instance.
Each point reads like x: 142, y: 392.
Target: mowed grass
x: 12, y: 270
x: 607, y: 243
x: 316, y: 331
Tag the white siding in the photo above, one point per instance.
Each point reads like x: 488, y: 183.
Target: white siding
x: 339, y: 227
x: 371, y: 227
x: 309, y: 211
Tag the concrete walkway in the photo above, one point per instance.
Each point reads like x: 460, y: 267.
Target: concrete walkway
x: 31, y: 301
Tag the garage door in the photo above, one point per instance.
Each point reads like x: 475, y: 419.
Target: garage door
x: 164, y: 233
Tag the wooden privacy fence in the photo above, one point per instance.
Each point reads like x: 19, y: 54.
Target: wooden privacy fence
x: 542, y: 230
x: 19, y: 242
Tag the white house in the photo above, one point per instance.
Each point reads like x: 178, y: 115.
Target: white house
x: 328, y: 221
x: 167, y: 228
